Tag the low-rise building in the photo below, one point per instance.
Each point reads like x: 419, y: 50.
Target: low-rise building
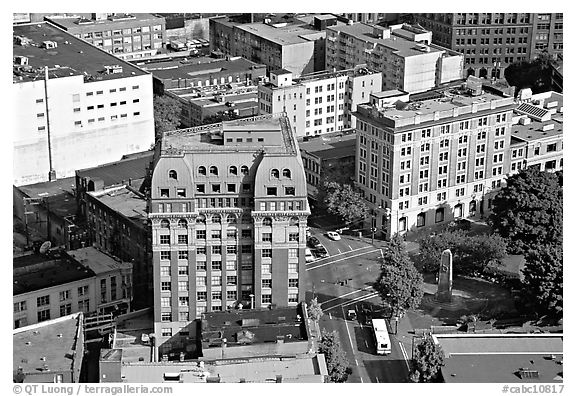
x: 127, y: 36
x: 59, y: 283
x: 508, y: 358
x: 329, y: 157
x: 403, y: 53
x: 70, y: 97
x: 319, y: 102
x: 49, y: 352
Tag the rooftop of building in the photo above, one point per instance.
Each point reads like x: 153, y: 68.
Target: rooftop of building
x: 70, y: 57
x: 402, y: 46
x: 283, y: 33
x: 331, y: 145
x: 76, y: 22
x: 237, y: 99
x: 194, y: 68
x: 479, y: 344
x: 39, y: 271
x: 251, y: 327
x: 50, y: 344
x: 119, y: 172
x: 210, y: 138
x: 97, y: 261
x: 307, y: 369
x: 130, y: 329
x: 126, y: 201
x: 545, y: 105
x: 58, y: 194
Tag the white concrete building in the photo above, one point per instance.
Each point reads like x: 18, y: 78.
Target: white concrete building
x: 404, y: 54
x: 75, y: 106
x: 318, y: 103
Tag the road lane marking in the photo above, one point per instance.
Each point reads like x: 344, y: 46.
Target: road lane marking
x: 357, y: 299
x: 342, y: 259
x: 350, y: 247
x: 339, y: 251
x: 347, y: 294
x: 339, y: 254
x: 404, y: 354
x: 350, y: 338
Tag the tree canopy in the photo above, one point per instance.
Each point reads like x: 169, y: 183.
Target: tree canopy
x: 469, y: 253
x: 315, y: 310
x: 341, y: 200
x: 428, y: 360
x: 166, y: 114
x: 543, y: 279
x: 535, y: 74
x: 219, y: 117
x: 399, y: 285
x: 528, y: 210
x: 336, y: 361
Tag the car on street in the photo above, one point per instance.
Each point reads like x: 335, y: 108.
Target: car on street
x: 309, y: 256
x: 321, y: 251
x: 351, y: 314
x: 333, y: 235
x: 314, y: 242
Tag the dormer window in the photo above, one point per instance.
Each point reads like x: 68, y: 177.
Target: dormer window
x: 173, y: 175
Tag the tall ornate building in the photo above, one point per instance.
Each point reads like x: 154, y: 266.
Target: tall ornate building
x: 228, y: 208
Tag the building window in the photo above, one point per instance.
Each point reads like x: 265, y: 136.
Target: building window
x: 271, y: 191
x: 165, y: 255
x: 216, y: 280
x: 42, y: 301
x: 182, y: 285
x: 289, y: 191
x: 216, y: 249
x: 267, y: 253
x: 267, y: 221
x: 166, y: 332
x: 216, y: 265
x: 183, y: 239
x: 166, y: 317
x: 164, y: 270
x: 214, y: 170
x: 183, y: 255
x: 201, y: 296
x: 266, y: 237
x: 293, y: 282
x: 166, y: 286
x: 293, y: 237
x: 43, y: 315
x: 266, y: 283
x: 266, y: 298
x: 200, y: 265
x: 216, y: 296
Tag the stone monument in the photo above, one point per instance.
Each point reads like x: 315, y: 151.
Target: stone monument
x: 444, y: 293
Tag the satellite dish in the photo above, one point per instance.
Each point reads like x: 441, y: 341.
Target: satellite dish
x: 45, y: 246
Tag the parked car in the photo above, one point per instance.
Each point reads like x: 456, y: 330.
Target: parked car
x: 351, y: 314
x: 314, y: 242
x: 321, y: 251
x: 309, y: 256
x: 333, y: 235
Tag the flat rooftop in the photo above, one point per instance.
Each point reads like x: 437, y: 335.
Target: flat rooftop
x: 501, y: 344
x: 401, y: 46
x: 53, y: 340
x: 253, y: 326
x: 76, y: 23
x: 124, y: 201
x: 96, y: 260
x: 210, y: 138
x: 49, y: 189
x: 117, y: 172
x: 535, y: 129
x: 37, y: 271
x: 329, y: 146
x: 175, y: 70
x: 284, y: 35
x: 71, y: 57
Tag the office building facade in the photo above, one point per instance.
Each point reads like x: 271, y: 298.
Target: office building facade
x: 228, y: 211
x: 318, y: 103
x: 492, y: 41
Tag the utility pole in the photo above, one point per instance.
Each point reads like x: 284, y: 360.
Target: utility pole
x: 51, y: 172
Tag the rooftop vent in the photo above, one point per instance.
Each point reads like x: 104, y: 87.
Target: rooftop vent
x: 525, y: 120
x: 525, y: 373
x: 551, y: 105
x: 548, y: 127
x: 49, y: 44
x: 113, y: 69
x: 21, y: 60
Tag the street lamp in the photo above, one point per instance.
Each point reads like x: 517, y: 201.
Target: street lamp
x: 373, y: 223
x: 251, y: 301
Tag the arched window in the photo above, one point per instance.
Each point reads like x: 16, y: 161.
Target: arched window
x: 216, y: 219
x: 458, y: 211
x: 472, y: 208
x: 202, y: 170
x: 231, y: 219
x: 294, y: 221
x: 173, y: 174
x: 244, y: 170
x: 214, y: 171
x: 286, y: 173
x: 201, y: 219
x: 439, y: 215
x: 275, y: 174
x: 421, y: 220
x: 164, y: 223
x: 182, y: 223
x: 402, y: 224
x: 233, y: 170
x: 267, y: 221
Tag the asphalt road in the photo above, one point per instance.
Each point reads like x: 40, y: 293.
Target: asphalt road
x: 341, y: 282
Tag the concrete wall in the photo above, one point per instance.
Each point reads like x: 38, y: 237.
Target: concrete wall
x: 298, y: 58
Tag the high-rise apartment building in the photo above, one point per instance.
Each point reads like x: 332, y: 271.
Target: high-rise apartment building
x: 128, y: 36
x: 427, y: 161
x: 228, y: 210
x: 75, y: 106
x: 492, y: 41
x: 403, y: 53
x: 318, y: 103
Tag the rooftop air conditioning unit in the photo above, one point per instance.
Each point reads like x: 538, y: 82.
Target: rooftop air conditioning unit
x: 113, y: 69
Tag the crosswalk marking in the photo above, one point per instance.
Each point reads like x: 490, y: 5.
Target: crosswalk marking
x: 345, y: 258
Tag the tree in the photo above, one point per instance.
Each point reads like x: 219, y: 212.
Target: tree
x: 535, y: 74
x: 166, y: 114
x: 336, y: 361
x: 219, y: 117
x: 428, y: 359
x: 469, y: 253
x: 543, y: 279
x: 344, y: 202
x: 315, y: 310
x: 399, y: 285
x: 528, y: 210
